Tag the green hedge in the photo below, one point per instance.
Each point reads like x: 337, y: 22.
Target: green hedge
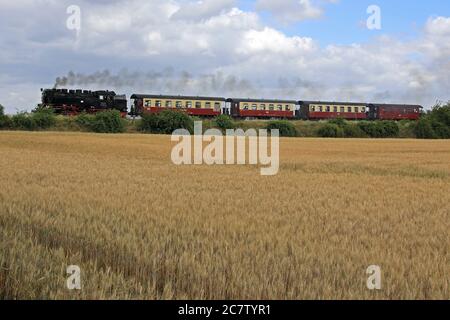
x: 41, y: 120
x: 110, y: 121
x: 286, y: 128
x: 380, y: 129
x: 165, y: 122
x: 330, y: 130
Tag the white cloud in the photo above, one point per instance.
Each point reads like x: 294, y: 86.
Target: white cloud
x: 288, y: 11
x: 202, y: 9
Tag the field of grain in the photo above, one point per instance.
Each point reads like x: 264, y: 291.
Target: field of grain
x: 140, y: 227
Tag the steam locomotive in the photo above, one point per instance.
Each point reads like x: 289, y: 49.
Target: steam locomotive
x: 71, y: 102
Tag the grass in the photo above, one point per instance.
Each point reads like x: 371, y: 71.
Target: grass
x: 142, y: 228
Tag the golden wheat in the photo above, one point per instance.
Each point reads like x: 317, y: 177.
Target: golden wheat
x: 141, y: 228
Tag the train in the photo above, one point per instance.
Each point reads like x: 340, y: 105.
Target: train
x: 72, y: 102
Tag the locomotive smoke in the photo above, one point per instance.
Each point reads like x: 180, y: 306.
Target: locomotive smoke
x: 166, y: 81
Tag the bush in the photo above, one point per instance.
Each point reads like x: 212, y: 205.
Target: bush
x: 165, y: 122
x: 44, y: 119
x: 109, y: 121
x: 390, y: 129
x: 224, y: 122
x: 349, y: 130
x: 441, y: 130
x: 85, y: 121
x: 424, y: 129
x: 286, y: 128
x: 380, y: 129
x: 330, y: 130
x: 352, y: 130
x: 23, y: 121
x: 340, y: 122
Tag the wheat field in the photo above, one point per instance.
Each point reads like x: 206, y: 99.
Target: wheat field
x: 140, y: 227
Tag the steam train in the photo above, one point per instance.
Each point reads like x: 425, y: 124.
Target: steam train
x: 71, y: 102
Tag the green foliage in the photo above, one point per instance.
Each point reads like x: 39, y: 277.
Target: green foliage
x: 5, y: 121
x: 441, y: 114
x: 434, y: 125
x: 224, y: 122
x: 441, y: 130
x: 349, y: 129
x: 286, y: 128
x: 340, y: 122
x: 165, y: 122
x: 352, y: 130
x: 330, y: 130
x: 390, y: 129
x: 85, y: 121
x: 44, y: 118
x: 23, y: 121
x: 110, y: 121
x: 380, y: 129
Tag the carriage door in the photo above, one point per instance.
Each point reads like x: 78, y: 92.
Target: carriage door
x: 372, y: 112
x: 227, y: 108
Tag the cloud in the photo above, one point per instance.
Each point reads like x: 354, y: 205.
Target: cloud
x: 202, y: 9
x: 289, y: 11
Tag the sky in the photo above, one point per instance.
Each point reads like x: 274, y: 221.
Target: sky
x: 339, y: 50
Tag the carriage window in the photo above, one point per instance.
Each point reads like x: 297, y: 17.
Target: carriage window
x: 168, y: 104
x: 342, y: 109
x: 271, y: 107
x: 313, y: 108
x: 363, y: 109
x: 280, y: 107
x: 320, y: 108
x: 335, y: 109
x: 198, y: 105
x: 158, y: 103
x: 148, y: 103
x: 189, y: 104
x: 349, y: 109
x: 217, y: 106
x: 246, y: 106
x: 328, y: 108
x: 179, y: 104
x: 263, y: 106
x: 288, y: 108
x: 101, y: 97
x: 254, y: 106
x: 356, y: 109
x: 208, y: 105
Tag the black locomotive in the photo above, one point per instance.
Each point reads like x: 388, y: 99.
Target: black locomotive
x: 72, y: 102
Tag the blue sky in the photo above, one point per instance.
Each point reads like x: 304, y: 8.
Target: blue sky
x: 341, y: 22
x: 302, y: 49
